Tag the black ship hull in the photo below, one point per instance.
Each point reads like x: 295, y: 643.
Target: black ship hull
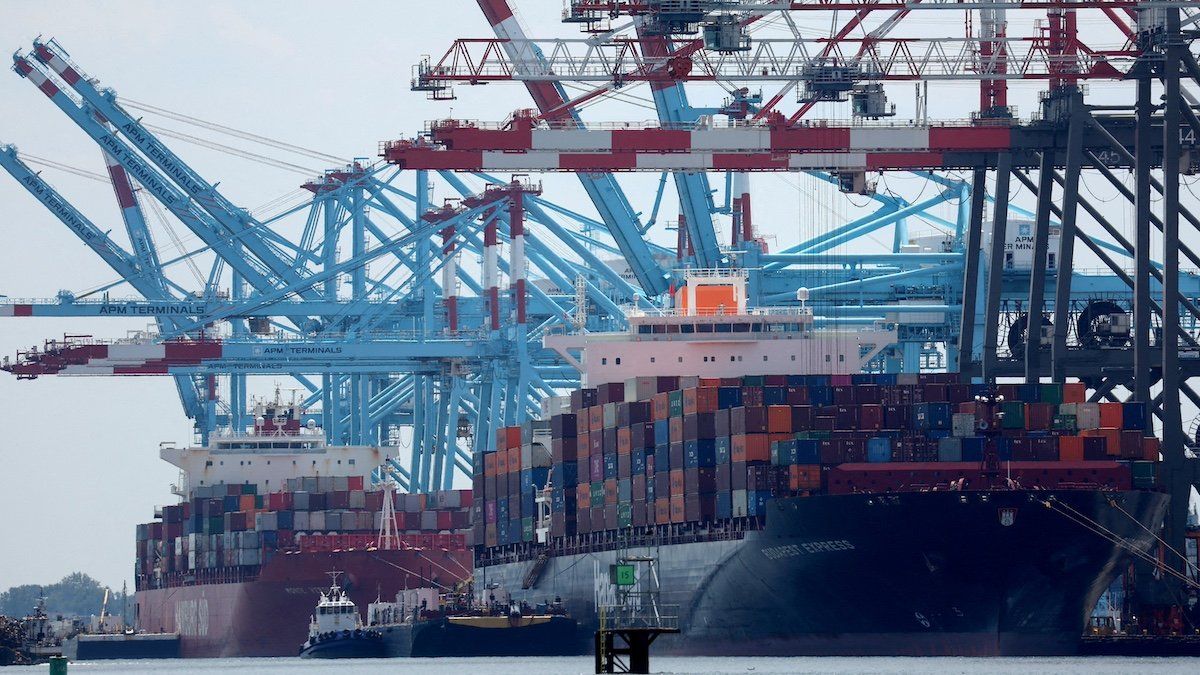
x: 556, y: 636
x: 362, y: 644
x: 931, y: 573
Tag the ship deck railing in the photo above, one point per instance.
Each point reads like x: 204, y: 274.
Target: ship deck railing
x: 597, y: 542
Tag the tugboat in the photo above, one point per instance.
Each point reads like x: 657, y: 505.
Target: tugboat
x: 337, y: 631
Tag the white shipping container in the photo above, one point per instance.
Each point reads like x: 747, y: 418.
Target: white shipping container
x: 358, y: 499
x: 738, y: 503
x: 963, y: 424
x: 316, y: 520
x: 341, y: 483
x: 1087, y: 415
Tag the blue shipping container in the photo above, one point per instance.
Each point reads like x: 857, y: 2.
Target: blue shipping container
x: 879, y: 449
x: 662, y: 432
x: 724, y: 507
x: 698, y: 453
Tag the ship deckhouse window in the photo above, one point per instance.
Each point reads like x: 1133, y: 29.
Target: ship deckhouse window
x: 351, y: 462
x: 764, y: 357
x: 793, y: 357
x: 704, y: 328
x: 733, y: 358
x: 827, y: 359
x: 687, y: 328
x: 618, y: 361
x: 604, y: 361
x: 208, y: 463
x: 680, y: 359
x: 841, y: 357
x: 651, y: 359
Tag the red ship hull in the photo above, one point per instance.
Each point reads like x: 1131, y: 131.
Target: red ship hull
x: 269, y: 616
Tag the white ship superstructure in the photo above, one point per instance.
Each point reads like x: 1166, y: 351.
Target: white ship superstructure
x: 714, y: 332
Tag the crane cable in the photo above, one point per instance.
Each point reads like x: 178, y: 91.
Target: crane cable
x: 1075, y: 516
x: 264, y: 140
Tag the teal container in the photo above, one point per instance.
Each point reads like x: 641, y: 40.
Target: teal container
x: 597, y: 494
x: 1014, y: 415
x: 1051, y: 393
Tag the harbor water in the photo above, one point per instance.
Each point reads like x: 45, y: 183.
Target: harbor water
x: 665, y: 664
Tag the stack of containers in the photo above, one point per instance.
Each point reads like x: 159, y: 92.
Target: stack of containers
x: 663, y: 450
x: 224, y: 525
x: 510, y: 477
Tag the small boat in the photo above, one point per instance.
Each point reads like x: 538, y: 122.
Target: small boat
x: 427, y: 623
x: 337, y: 631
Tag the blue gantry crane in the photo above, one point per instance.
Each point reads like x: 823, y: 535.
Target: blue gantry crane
x: 388, y: 301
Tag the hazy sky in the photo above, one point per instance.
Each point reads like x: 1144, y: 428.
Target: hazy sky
x: 79, y: 456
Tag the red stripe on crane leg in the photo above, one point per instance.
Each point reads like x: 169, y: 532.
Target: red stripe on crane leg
x: 495, y: 10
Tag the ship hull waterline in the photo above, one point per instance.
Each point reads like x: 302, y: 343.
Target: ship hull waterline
x: 996, y: 573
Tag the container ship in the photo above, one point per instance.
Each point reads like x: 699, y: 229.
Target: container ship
x: 237, y: 565
x: 796, y: 506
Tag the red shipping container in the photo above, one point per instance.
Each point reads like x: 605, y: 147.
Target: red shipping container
x: 1131, y: 444
x: 752, y: 396
x: 445, y: 520
x: 514, y: 459
x: 490, y: 464
x: 501, y: 462
x: 1112, y: 440
x: 1074, y: 392
x: 750, y: 448
x: 1150, y: 448
x: 1112, y: 415
x: 870, y: 417
x: 1070, y: 448
x: 779, y: 419
x: 1039, y: 416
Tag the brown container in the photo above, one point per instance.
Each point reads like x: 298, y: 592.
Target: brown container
x: 678, y: 514
x: 623, y: 444
x: 676, y: 482
x: 662, y: 510
x: 870, y: 417
x: 660, y: 406
x: 779, y: 419
x: 804, y: 477
x: 750, y: 448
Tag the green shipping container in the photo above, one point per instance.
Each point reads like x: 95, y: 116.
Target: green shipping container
x: 1014, y: 415
x: 624, y: 515
x: 1052, y: 393
x: 249, y: 488
x: 753, y: 380
x: 597, y: 494
x: 215, y: 525
x: 1064, y: 422
x: 527, y: 529
x: 675, y: 404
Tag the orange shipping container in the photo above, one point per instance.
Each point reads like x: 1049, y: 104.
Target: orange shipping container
x: 804, y: 477
x: 662, y: 511
x: 624, y: 440
x: 750, y: 448
x: 677, y: 509
x: 660, y: 406
x: 596, y: 418
x: 779, y: 419
x: 1112, y: 415
x: 676, y: 483
x: 710, y: 382
x: 676, y: 429
x: 489, y: 464
x: 1070, y: 448
x: 246, y: 503
x: 1074, y: 392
